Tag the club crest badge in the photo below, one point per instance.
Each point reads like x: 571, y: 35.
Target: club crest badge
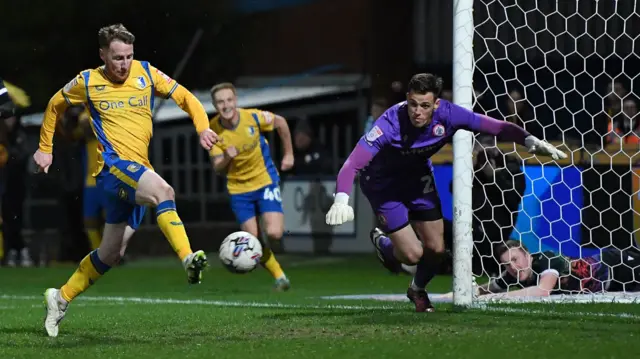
x: 141, y: 83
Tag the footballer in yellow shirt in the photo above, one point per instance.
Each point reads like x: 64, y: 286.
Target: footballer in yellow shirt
x: 252, y: 177
x: 120, y: 96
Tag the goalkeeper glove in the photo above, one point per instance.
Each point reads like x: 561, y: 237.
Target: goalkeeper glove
x: 340, y: 211
x: 543, y: 148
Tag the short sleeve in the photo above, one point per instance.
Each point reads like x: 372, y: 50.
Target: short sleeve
x: 265, y: 119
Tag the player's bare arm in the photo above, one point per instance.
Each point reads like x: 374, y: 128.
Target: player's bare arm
x: 490, y: 287
x: 280, y: 124
x: 546, y: 285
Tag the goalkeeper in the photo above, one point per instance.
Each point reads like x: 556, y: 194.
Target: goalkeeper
x: 396, y: 176
x: 545, y: 273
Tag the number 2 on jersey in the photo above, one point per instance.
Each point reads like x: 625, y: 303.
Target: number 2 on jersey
x: 270, y: 195
x: 428, y: 183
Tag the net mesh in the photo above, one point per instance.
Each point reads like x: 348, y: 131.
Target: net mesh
x: 567, y: 72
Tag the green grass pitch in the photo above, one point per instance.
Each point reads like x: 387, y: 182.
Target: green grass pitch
x: 145, y: 309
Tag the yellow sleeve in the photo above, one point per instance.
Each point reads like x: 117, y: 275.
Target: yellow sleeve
x: 169, y: 88
x: 73, y: 93
x: 265, y: 118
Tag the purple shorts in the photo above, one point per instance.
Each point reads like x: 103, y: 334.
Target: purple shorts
x: 396, y: 206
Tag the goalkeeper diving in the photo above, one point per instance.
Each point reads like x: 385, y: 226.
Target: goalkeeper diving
x: 396, y: 176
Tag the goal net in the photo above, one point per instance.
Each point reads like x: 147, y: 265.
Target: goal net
x: 567, y: 72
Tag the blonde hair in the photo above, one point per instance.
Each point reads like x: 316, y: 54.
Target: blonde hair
x: 220, y: 87
x: 108, y: 34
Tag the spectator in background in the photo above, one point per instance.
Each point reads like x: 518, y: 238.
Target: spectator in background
x: 624, y: 127
x: 616, y: 92
x: 15, y: 193
x: 519, y: 113
x: 311, y: 157
x: 378, y: 106
x: 313, y: 160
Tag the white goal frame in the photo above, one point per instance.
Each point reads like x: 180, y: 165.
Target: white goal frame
x: 464, y: 67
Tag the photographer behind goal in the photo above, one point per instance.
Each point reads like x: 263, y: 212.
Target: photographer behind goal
x: 544, y: 273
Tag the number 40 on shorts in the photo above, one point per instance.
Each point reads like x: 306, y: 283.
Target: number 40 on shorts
x: 272, y: 194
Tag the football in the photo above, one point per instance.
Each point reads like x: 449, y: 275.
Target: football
x: 240, y: 252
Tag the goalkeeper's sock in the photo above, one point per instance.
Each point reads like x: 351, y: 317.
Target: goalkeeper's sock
x: 425, y: 270
x: 91, y: 268
x: 173, y: 229
x: 95, y: 237
x: 270, y: 263
x: 386, y: 246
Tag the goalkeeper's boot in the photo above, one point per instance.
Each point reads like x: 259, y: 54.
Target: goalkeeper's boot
x: 392, y: 265
x: 421, y: 300
x: 194, y: 264
x: 282, y: 284
x: 56, y: 310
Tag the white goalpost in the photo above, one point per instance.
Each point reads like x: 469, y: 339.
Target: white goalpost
x: 462, y: 159
x: 566, y: 71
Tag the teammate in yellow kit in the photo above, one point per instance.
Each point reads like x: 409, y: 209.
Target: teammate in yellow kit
x: 120, y: 96
x: 252, y: 178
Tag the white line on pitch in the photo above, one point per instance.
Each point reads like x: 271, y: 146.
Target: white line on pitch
x: 221, y: 303
x: 217, y: 303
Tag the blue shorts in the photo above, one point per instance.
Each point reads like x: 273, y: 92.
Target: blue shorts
x: 118, y: 185
x: 92, y: 202
x: 252, y: 204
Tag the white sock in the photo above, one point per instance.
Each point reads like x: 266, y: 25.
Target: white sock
x: 62, y: 301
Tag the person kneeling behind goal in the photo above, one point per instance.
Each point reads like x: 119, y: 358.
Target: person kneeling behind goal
x: 544, y: 273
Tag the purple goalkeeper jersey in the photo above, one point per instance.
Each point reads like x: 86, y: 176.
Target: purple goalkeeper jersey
x: 402, y: 150
x: 394, y: 149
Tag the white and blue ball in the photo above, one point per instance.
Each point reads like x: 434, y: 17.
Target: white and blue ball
x: 240, y: 252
